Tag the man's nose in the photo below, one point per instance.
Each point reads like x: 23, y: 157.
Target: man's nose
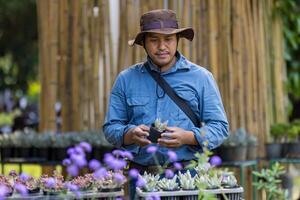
x: 161, y: 45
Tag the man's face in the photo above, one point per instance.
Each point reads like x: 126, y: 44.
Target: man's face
x: 161, y: 48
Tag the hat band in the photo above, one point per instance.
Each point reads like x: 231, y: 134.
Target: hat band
x: 159, y: 25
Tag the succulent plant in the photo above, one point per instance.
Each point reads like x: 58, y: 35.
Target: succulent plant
x: 168, y: 184
x: 109, y: 182
x: 151, y: 182
x: 214, y: 181
x: 203, y: 169
x: 187, y: 182
x: 160, y: 126
x: 228, y: 180
x: 54, y: 184
x: 85, y: 182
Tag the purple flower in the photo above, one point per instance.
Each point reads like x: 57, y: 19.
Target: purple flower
x: 72, y: 170
x: 85, y: 146
x: 79, y: 150
x: 118, y: 164
x: 94, y: 164
x: 118, y: 153
x: 4, y: 190
x: 108, y: 158
x: 71, y: 187
x: 70, y: 151
x: 114, y: 163
x: 151, y: 149
x: 140, y: 182
x: 169, y: 173
x: 128, y: 155
x: 50, y: 182
x: 119, y: 178
x: 119, y: 198
x: 66, y: 162
x: 215, y: 161
x: 24, y: 177
x: 79, y: 160
x: 177, y: 166
x: 172, y: 156
x: 21, y: 189
x: 100, y: 173
x: 133, y: 173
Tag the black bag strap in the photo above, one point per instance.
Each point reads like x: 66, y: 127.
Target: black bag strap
x: 181, y: 103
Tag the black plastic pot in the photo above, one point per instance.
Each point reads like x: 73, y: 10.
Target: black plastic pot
x: 232, y: 153
x: 293, y: 150
x: 273, y: 150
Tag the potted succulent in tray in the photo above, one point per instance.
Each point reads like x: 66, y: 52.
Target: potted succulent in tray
x: 53, y: 185
x: 168, y: 184
x: 275, y: 148
x: 112, y: 182
x: 5, y: 186
x: 151, y: 182
x: 84, y: 183
x: 156, y: 129
x: 31, y: 184
x: 187, y: 182
x: 228, y: 180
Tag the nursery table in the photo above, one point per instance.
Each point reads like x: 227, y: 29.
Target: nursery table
x: 243, y: 165
x: 285, y: 160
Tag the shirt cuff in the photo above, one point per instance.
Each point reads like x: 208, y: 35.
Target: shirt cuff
x: 201, y: 136
x: 133, y: 148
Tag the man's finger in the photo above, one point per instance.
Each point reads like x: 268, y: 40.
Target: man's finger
x: 144, y: 127
x: 142, y: 133
x: 168, y: 135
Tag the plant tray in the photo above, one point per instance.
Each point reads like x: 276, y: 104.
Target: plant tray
x: 230, y: 193
x: 69, y: 196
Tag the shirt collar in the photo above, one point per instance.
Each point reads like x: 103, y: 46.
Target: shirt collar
x: 181, y: 64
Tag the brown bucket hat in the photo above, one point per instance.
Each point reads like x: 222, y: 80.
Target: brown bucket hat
x: 160, y: 21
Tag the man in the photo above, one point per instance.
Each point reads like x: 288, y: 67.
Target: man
x: 137, y: 100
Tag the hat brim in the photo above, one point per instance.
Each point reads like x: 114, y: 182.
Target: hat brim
x: 187, y: 33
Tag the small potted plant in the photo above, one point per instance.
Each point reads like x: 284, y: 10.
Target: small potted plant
x: 151, y: 182
x: 32, y: 185
x: 6, y: 186
x: 168, y: 184
x: 293, y: 146
x: 53, y: 185
x: 156, y: 129
x: 251, y: 147
x: 228, y: 180
x: 84, y: 183
x: 187, y: 182
x: 110, y: 183
x: 275, y: 148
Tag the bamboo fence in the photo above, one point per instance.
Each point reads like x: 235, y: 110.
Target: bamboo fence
x: 239, y: 41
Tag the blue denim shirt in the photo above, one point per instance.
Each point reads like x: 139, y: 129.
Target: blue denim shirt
x: 137, y: 99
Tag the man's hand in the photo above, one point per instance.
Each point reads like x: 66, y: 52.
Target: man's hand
x: 175, y: 137
x: 137, y: 136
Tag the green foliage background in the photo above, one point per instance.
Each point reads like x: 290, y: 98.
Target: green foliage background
x: 18, y: 42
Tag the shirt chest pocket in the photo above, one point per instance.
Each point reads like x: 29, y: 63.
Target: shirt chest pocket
x: 138, y: 108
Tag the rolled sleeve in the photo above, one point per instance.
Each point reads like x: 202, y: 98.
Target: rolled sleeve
x: 215, y: 128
